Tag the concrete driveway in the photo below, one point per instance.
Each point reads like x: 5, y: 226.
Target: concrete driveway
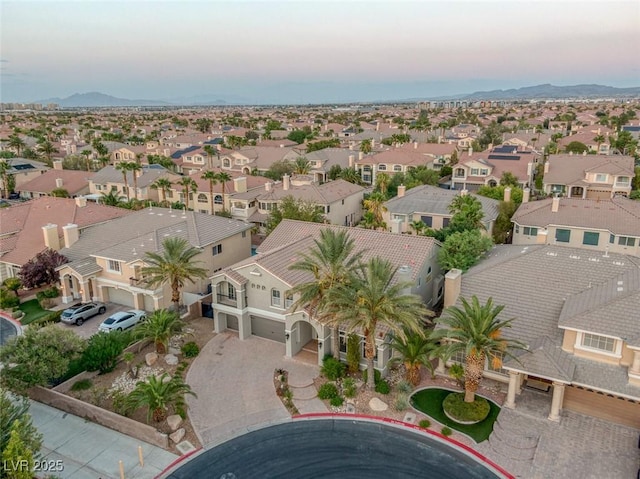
x: 90, y: 326
x: 234, y: 383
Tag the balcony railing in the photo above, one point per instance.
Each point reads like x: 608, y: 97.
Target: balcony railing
x: 227, y: 300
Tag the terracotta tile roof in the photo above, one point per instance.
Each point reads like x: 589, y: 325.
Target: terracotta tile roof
x: 73, y: 181
x: 567, y: 169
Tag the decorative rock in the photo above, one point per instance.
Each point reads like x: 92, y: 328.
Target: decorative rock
x: 175, y: 351
x: 378, y: 405
x: 178, y: 435
x: 171, y: 359
x: 351, y: 408
x: 174, y: 421
x: 151, y: 358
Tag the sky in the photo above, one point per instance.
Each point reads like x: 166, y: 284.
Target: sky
x: 311, y: 51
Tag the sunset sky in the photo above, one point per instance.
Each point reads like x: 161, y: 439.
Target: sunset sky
x: 304, y: 51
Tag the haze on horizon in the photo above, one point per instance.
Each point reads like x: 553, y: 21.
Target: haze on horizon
x: 312, y: 51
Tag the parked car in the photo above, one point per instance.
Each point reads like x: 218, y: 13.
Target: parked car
x: 80, y: 312
x: 122, y: 320
x: 14, y: 196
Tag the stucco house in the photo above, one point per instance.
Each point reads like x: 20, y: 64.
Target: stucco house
x: 23, y: 171
x: 74, y: 182
x: 253, y: 296
x: 110, y: 179
x: 578, y: 314
x: 105, y: 261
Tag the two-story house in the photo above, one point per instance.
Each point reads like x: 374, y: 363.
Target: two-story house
x: 110, y: 179
x: 594, y: 225
x: 22, y: 171
x: 259, y: 158
x: 106, y: 261
x: 74, y: 182
x: 578, y: 314
x: 588, y: 176
x: 254, y: 296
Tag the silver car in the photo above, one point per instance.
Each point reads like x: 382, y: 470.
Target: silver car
x: 122, y: 320
x: 80, y: 312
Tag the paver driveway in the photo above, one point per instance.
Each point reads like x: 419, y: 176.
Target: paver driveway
x: 234, y: 383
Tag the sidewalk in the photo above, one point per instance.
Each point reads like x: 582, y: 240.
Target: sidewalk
x: 91, y: 451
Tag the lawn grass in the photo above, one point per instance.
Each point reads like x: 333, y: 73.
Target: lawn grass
x: 32, y: 311
x: 429, y: 401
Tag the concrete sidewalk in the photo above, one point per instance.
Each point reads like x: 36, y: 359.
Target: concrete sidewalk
x: 91, y: 451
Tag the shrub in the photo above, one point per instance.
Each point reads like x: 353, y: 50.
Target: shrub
x: 349, y: 387
x: 404, y: 386
x: 446, y: 431
x: 53, y: 317
x: 332, y: 368
x: 82, y: 385
x: 328, y: 391
x: 376, y: 376
x: 383, y: 387
x: 336, y: 401
x: 455, y: 407
x: 102, y: 352
x: 353, y: 353
x: 424, y: 424
x: 190, y: 350
x: 8, y: 300
x: 402, y: 402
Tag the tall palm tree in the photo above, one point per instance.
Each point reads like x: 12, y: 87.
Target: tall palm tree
x: 210, y: 151
x: 329, y: 262
x: 134, y: 168
x: 174, y: 265
x: 159, y: 394
x: 365, y: 146
x: 352, y: 176
x: 382, y: 183
x: 414, y: 350
x: 159, y: 327
x: 418, y: 226
x: 4, y: 175
x: 16, y: 143
x: 87, y: 153
x: 301, y: 166
x: 212, y: 177
x: 599, y: 139
x: 223, y: 177
x: 189, y: 185
x: 47, y: 149
x: 375, y: 205
x: 123, y: 167
x: 369, y: 299
x: 162, y: 184
x: 476, y: 331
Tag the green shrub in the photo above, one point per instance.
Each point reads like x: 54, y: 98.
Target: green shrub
x: 49, y: 293
x: 332, y: 369
x: 424, y: 424
x: 383, y: 387
x: 349, y: 387
x: 190, y: 350
x: 455, y: 407
x: 353, y: 353
x: 82, y: 385
x: 328, y: 391
x: 446, y: 431
x: 8, y: 300
x: 102, y: 352
x: 402, y: 402
x: 336, y: 401
x: 376, y: 376
x: 404, y: 386
x: 53, y: 317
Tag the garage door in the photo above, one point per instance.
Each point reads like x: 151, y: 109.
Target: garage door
x: 602, y: 405
x: 598, y: 194
x: 148, y: 303
x: 120, y: 296
x: 267, y: 328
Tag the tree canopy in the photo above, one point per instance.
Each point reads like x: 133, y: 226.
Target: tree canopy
x: 294, y: 209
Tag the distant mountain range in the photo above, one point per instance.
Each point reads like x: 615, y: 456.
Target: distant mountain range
x: 540, y: 92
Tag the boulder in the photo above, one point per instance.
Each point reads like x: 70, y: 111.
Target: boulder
x: 175, y: 351
x: 151, y: 358
x: 174, y: 421
x: 171, y: 359
x: 377, y: 404
x: 177, y: 436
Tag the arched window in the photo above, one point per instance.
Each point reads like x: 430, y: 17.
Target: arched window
x: 217, y: 199
x: 397, y: 168
x: 493, y: 183
x: 382, y: 167
x: 460, y: 172
x: 202, y: 198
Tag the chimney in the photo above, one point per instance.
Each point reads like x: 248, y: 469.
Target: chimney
x: 541, y: 238
x: 373, y: 143
x: 452, y: 287
x: 57, y: 165
x: 81, y: 201
x: 51, y: 238
x: 59, y: 182
x: 525, y: 195
x: 352, y: 160
x: 464, y: 192
x: 470, y: 150
x: 401, y: 191
x: 507, y: 194
x: 546, y: 166
x: 240, y: 184
x: 71, y: 234
x: 584, y: 153
x: 415, y: 145
x: 555, y: 204
x: 286, y: 182
x: 267, y: 186
x: 360, y: 156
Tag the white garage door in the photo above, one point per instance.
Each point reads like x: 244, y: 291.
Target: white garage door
x: 120, y: 296
x: 267, y: 328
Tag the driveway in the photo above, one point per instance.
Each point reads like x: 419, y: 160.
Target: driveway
x: 234, y: 383
x: 90, y: 326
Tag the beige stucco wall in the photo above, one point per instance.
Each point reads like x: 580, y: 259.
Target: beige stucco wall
x: 258, y: 289
x: 352, y: 206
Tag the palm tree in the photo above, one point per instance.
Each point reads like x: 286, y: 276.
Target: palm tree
x: 112, y: 198
x: 47, y: 149
x: 352, y: 176
x: 210, y: 151
x: 123, y: 167
x: 4, y: 175
x: 212, y: 177
x: 189, y: 185
x: 302, y: 166
x: 159, y: 327
x: 375, y: 205
x: 134, y: 168
x: 368, y: 299
x: 418, y: 226
x: 475, y: 330
x: 414, y: 350
x: 16, y: 143
x: 223, y: 177
x: 382, y: 183
x: 467, y: 212
x: 174, y: 265
x: 599, y: 139
x: 158, y: 394
x: 329, y: 262
x: 162, y: 184
x: 87, y: 154
x: 365, y: 146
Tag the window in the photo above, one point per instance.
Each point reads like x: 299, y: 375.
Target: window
x: 445, y: 222
x: 382, y: 167
x: 458, y: 357
x: 288, y: 299
x: 231, y: 291
x: 202, y: 198
x: 343, y: 342
x: 226, y: 163
x: 529, y: 231
x: 428, y: 277
x: 328, y: 209
x: 612, y: 238
x: 98, y: 187
x: 397, y: 168
x: 427, y: 220
x: 622, y: 181
x: 590, y: 238
x: 459, y: 173
x: 244, y: 234
x: 626, y: 241
x: 113, y: 266
x: 516, y: 229
x: 601, y: 178
x: 275, y: 297
x: 484, y: 172
x: 601, y: 343
x: 474, y: 171
x: 169, y: 193
x: 217, y: 200
x: 217, y: 249
x: 563, y: 236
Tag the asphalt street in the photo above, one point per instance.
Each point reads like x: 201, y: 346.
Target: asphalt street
x: 7, y: 330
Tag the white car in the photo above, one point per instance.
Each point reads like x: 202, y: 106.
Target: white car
x: 122, y: 320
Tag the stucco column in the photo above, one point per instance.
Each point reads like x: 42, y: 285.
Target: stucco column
x: 440, y: 370
x: 514, y: 379
x: 635, y: 365
x: 66, y: 292
x: 84, y: 291
x: 556, y: 401
x: 288, y: 340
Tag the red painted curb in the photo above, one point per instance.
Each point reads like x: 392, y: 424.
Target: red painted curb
x: 15, y: 322
x: 177, y: 461
x: 466, y: 448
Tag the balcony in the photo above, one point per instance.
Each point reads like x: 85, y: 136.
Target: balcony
x: 239, y: 212
x: 227, y: 300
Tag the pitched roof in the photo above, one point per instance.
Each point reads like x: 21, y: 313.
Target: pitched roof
x: 567, y: 169
x: 619, y: 215
x: 545, y: 359
x: 148, y: 175
x: 323, y: 194
x: 72, y: 181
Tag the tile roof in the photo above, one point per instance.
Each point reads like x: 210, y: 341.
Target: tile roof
x: 619, y: 215
x: 148, y: 175
x: 604, y: 377
x: 567, y: 169
x: 544, y: 358
x: 323, y: 194
x: 72, y: 180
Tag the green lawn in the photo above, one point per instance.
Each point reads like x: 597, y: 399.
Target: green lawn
x: 429, y: 401
x: 32, y: 311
